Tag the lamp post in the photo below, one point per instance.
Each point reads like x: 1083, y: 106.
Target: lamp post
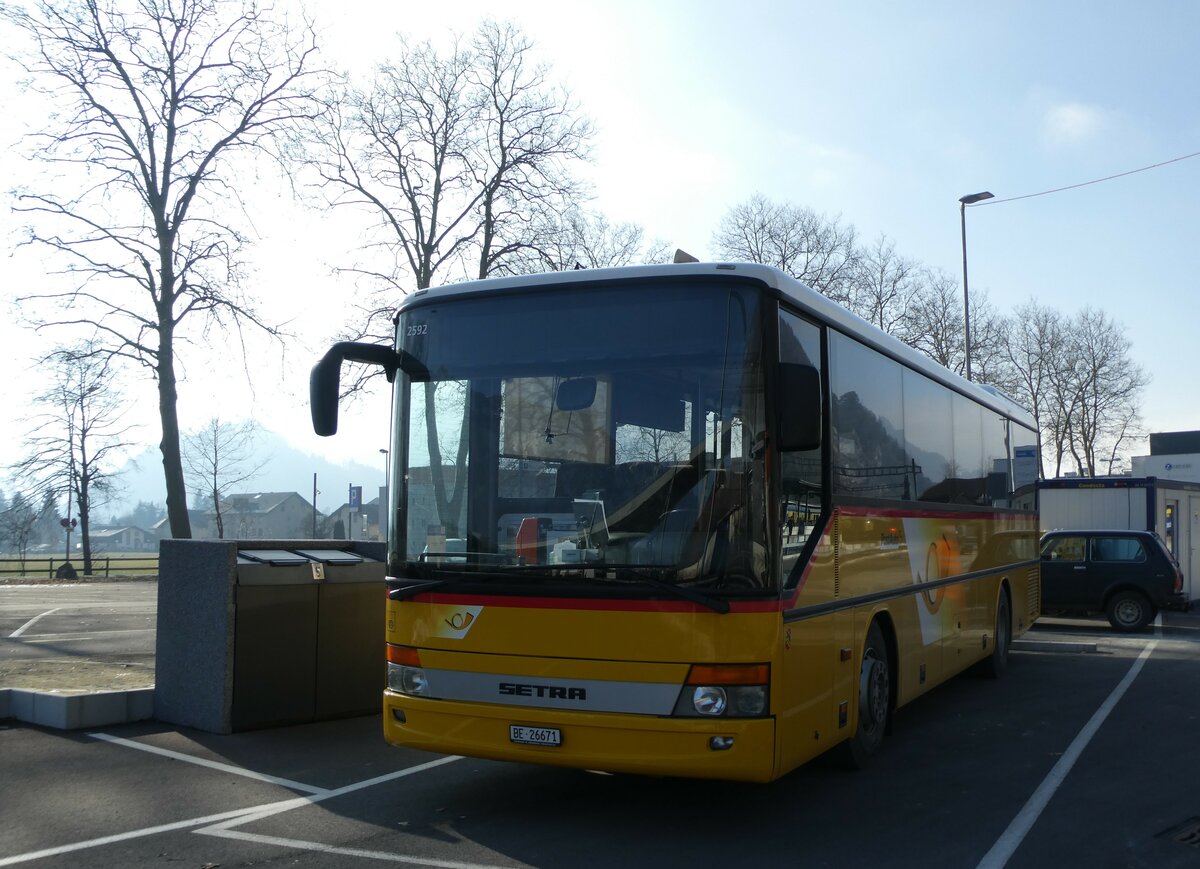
x: 385, y: 502
x: 963, y: 202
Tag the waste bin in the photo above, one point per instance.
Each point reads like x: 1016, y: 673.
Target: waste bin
x: 275, y: 639
x: 263, y: 633
x: 351, y: 669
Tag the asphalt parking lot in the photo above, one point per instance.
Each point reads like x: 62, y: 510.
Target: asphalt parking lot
x: 1076, y: 758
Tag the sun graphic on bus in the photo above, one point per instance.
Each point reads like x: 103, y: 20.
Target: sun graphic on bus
x: 933, y: 571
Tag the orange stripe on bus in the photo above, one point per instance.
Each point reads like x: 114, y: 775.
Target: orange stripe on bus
x: 406, y: 655
x: 729, y: 674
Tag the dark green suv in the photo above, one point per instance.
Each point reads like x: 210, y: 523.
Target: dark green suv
x: 1127, y: 575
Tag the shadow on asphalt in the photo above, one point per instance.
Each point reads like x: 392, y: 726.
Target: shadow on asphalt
x: 1173, y: 624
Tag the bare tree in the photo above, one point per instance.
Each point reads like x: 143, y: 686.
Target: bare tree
x: 453, y: 154
x: 1109, y: 389
x: 1123, y: 428
x: 219, y: 456
x: 1034, y: 351
x: 989, y: 334
x: 155, y: 99
x: 1063, y: 397
x: 820, y: 252
x: 933, y: 324
x: 74, y: 442
x: 531, y: 133
x: 884, y: 285
x: 1077, y: 378
x: 578, y: 239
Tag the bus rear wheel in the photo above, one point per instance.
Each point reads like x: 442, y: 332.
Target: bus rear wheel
x: 994, y: 665
x: 874, y: 701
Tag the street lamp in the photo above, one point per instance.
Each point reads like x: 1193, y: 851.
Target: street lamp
x: 385, y: 501
x: 963, y: 202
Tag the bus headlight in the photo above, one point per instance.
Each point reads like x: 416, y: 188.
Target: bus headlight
x: 709, y: 700
x: 405, y: 675
x: 407, y: 680
x: 729, y: 691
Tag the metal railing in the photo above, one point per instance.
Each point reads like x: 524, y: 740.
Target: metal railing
x: 102, y: 565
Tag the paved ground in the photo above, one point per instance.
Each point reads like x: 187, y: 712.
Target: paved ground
x: 1072, y: 760
x: 95, y: 636
x: 1075, y: 759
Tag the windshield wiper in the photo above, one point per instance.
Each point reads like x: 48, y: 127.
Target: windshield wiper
x: 641, y: 574
x: 716, y: 604
x: 413, y: 587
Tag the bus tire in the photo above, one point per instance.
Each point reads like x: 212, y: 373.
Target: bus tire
x: 874, y: 701
x: 1129, y: 611
x: 994, y: 665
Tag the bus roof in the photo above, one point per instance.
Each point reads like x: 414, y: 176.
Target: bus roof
x: 785, y: 286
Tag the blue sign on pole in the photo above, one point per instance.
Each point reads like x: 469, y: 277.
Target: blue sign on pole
x: 355, y: 497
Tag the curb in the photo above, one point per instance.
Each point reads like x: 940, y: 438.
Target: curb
x: 1051, y: 646
x: 63, y: 711
x: 79, y: 580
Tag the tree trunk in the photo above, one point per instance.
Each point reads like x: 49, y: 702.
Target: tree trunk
x: 177, y: 512
x: 85, y: 535
x: 220, y: 520
x: 83, y: 500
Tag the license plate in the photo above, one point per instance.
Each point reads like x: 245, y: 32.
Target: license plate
x: 534, y: 735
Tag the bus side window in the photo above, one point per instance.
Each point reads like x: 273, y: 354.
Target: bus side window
x: 802, y: 475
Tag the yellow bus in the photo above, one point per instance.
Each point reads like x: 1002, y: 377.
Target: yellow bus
x: 689, y: 520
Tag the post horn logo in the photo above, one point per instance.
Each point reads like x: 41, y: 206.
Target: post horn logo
x: 460, y: 621
x: 456, y: 620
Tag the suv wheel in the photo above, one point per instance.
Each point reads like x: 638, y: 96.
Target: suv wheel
x: 1129, y: 611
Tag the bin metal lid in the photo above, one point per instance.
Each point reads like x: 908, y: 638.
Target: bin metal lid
x: 333, y: 556
x: 274, y: 557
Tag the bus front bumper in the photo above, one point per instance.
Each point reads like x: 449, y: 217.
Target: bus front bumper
x: 738, y: 749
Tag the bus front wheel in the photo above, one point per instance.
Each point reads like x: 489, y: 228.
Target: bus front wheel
x: 874, y: 700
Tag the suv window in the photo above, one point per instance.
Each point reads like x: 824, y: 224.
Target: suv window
x: 1125, y: 549
x: 1064, y: 549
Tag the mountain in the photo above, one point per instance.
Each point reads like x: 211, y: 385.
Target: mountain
x: 286, y: 469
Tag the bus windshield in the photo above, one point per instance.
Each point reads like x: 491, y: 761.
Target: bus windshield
x: 585, y: 434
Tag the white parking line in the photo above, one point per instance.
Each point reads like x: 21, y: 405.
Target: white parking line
x: 1011, y: 838
x: 250, y: 813
x: 211, y: 764
x: 93, y: 635
x: 390, y: 856
x: 299, y: 802
x: 33, y: 621
x: 132, y: 834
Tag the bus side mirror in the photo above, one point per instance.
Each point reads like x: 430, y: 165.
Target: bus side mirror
x: 798, y: 407
x: 323, y: 383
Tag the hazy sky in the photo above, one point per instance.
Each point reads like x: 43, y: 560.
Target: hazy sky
x: 880, y: 112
